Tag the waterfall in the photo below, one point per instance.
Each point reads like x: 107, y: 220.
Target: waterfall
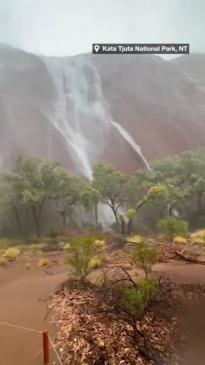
x: 80, y: 113
x: 132, y: 143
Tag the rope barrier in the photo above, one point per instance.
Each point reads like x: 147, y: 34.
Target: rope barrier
x: 19, y: 327
x: 35, y: 331
x: 54, y: 349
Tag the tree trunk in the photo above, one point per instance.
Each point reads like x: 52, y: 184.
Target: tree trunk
x: 116, y: 218
x: 129, y: 226
x: 96, y: 214
x: 63, y: 216
x: 37, y: 219
x: 18, y: 221
x: 170, y: 210
x: 122, y: 225
x: 199, y: 201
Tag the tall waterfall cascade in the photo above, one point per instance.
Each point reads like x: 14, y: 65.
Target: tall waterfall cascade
x: 82, y: 114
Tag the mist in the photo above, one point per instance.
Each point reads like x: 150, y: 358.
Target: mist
x: 62, y: 27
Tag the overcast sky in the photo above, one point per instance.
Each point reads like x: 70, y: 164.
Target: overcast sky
x: 68, y: 27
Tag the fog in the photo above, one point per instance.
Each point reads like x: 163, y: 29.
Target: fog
x: 68, y: 27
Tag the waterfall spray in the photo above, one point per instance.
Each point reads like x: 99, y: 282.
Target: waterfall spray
x: 132, y: 143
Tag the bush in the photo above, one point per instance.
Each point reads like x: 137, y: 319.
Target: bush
x: 136, y: 239
x: 179, y: 240
x: 100, y: 244
x: 136, y: 300
x: 95, y: 263
x: 171, y: 227
x: 82, y: 250
x: 11, y: 253
x: 144, y: 257
x: 198, y: 237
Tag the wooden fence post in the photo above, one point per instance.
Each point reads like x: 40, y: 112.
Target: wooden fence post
x: 45, y: 348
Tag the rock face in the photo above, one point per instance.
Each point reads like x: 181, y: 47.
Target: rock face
x: 64, y: 108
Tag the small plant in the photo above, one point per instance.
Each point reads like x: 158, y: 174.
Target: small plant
x: 136, y: 300
x: 95, y: 263
x: 144, y: 257
x: 66, y: 247
x: 179, y: 240
x: 100, y: 244
x: 43, y: 262
x: 11, y: 253
x: 82, y: 251
x: 136, y: 239
x: 198, y: 238
x: 171, y: 227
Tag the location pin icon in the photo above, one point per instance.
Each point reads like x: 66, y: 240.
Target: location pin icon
x: 96, y: 48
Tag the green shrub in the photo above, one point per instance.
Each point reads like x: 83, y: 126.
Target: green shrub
x: 144, y: 257
x: 95, y: 263
x: 136, y: 300
x: 82, y: 250
x: 11, y: 253
x: 172, y: 227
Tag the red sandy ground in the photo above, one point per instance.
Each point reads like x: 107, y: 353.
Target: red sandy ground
x: 20, y: 291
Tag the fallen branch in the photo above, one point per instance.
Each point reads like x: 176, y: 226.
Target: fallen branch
x: 189, y: 259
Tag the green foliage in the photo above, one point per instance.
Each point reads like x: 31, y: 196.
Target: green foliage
x: 131, y: 213
x: 171, y: 227
x: 31, y: 184
x: 11, y: 253
x: 33, y: 190
x: 70, y: 194
x: 111, y: 186
x: 136, y: 300
x: 53, y: 231
x: 81, y: 251
x: 144, y: 257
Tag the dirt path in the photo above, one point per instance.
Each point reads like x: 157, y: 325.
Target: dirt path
x: 20, y: 292
x: 181, y: 271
